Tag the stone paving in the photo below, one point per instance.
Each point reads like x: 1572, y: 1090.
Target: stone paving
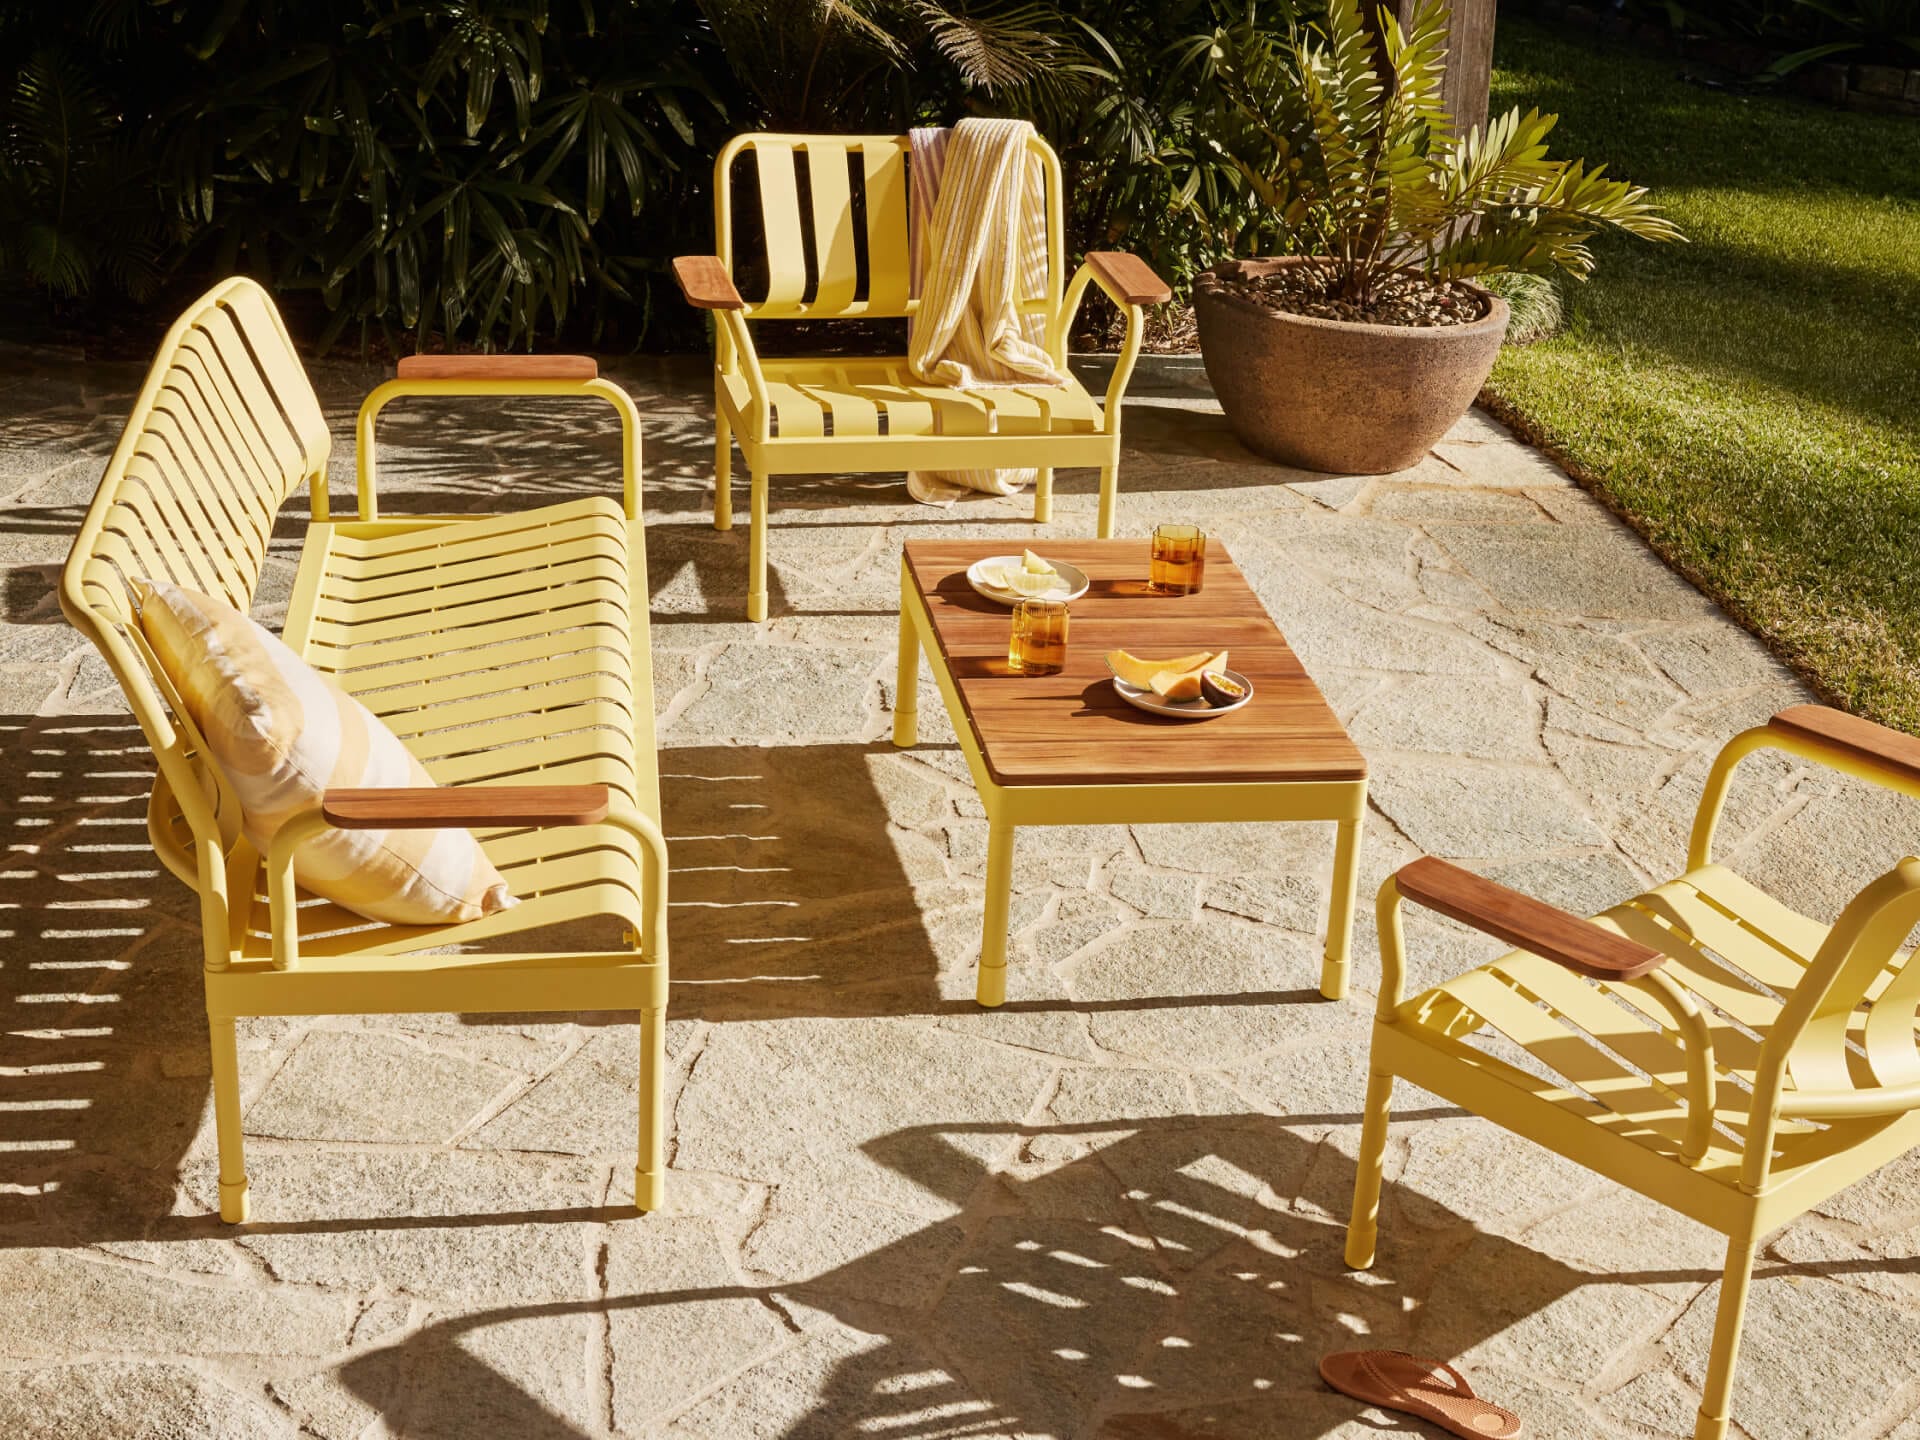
x: 1112, y: 1208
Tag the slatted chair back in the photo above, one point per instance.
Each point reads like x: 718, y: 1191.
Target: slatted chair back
x: 831, y: 227
x: 225, y: 428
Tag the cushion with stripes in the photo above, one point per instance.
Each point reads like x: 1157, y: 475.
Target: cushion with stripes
x: 283, y: 734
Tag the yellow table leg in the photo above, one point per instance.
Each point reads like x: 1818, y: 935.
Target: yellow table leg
x: 906, y: 693
x: 1346, y: 877
x: 992, y: 986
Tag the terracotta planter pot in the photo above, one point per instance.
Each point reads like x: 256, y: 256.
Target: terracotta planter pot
x: 1336, y: 396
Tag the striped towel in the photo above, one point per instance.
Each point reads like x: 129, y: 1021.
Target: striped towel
x: 979, y: 247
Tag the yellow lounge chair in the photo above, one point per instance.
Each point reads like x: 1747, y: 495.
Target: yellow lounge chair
x: 509, y: 652
x: 827, y: 415
x: 1736, y: 1061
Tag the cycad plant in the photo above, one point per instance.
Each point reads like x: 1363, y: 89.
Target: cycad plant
x: 1342, y: 135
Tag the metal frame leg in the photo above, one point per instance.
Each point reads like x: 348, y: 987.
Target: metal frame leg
x: 1346, y: 879
x: 1731, y: 1317
x: 650, y: 1172
x: 226, y: 1121
x: 1043, y: 496
x: 722, y: 471
x: 1363, y: 1227
x: 1109, y: 492
x: 757, y: 549
x: 992, y: 986
x: 906, y: 692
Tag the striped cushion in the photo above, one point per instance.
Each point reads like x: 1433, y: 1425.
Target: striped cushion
x: 283, y: 734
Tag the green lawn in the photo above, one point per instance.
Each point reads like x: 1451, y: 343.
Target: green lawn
x: 1751, y: 400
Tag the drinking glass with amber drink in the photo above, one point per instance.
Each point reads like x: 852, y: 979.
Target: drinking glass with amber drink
x: 1179, y: 560
x: 1039, y: 642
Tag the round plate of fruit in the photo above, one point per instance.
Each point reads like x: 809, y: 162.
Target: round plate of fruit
x: 1009, y: 579
x: 1190, y: 687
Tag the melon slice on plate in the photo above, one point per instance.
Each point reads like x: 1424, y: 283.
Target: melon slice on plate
x: 1188, y: 684
x: 1140, y: 673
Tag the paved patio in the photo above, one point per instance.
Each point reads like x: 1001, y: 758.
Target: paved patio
x: 1112, y: 1208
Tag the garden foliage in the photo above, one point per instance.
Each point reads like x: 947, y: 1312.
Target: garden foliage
x: 503, y: 171
x: 1341, y: 133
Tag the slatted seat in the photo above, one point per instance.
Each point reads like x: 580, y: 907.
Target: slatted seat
x: 862, y: 398
x: 832, y: 239
x: 509, y: 653
x: 1701, y: 1043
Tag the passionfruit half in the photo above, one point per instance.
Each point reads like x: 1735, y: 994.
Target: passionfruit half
x: 1220, y: 692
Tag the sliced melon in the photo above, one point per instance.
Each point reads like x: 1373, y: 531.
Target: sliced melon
x: 1177, y: 684
x: 1135, y: 671
x: 1034, y: 565
x: 1023, y: 582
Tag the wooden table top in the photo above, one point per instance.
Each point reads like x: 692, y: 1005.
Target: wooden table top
x: 1074, y: 729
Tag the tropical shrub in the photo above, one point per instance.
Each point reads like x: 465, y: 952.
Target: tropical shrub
x: 1342, y: 136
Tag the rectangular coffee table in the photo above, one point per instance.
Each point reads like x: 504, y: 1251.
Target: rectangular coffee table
x: 1066, y: 750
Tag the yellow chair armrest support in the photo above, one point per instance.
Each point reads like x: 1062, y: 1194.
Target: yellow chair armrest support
x: 1129, y: 283
x: 557, y: 376
x: 487, y: 805
x: 1582, y: 946
x: 1828, y: 737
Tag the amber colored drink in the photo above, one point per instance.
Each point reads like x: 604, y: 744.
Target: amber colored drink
x: 1179, y: 560
x: 1038, y: 644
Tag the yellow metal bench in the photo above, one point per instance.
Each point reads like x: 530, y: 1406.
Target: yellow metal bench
x: 509, y: 652
x: 1737, y: 1061
x: 845, y: 255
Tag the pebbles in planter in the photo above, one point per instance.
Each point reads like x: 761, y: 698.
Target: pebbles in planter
x: 1398, y: 298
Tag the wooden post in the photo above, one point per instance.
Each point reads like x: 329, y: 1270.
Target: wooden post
x: 1469, y: 58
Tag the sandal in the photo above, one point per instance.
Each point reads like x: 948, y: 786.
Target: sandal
x: 1399, y: 1381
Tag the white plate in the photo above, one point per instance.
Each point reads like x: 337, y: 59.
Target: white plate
x: 1073, y: 579
x: 1146, y: 700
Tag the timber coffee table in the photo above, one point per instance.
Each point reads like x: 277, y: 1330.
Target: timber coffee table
x: 1066, y: 750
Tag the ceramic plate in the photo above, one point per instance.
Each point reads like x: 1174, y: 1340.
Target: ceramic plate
x: 1073, y: 581
x: 1181, y: 709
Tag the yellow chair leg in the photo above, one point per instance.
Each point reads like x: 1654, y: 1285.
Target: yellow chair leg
x: 650, y: 1174
x: 906, y: 690
x: 226, y: 1122
x: 1363, y: 1228
x: 1109, y: 491
x: 1346, y: 877
x: 757, y: 549
x: 992, y: 986
x: 1715, y: 1406
x: 722, y: 473
x: 1043, y: 496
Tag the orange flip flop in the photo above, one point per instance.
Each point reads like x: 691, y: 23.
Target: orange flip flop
x: 1396, y: 1380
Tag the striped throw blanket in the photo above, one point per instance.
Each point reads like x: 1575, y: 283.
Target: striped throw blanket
x: 979, y: 247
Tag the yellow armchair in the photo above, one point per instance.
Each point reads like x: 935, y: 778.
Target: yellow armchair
x: 1702, y: 1043
x: 818, y: 415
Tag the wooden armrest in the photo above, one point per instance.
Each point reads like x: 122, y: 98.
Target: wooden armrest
x: 423, y: 808
x: 1522, y: 921
x: 1128, y: 277
x: 706, y: 284
x: 499, y: 367
x: 1860, y: 739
